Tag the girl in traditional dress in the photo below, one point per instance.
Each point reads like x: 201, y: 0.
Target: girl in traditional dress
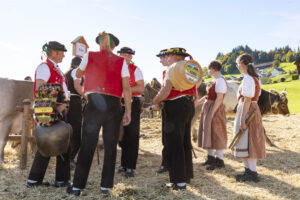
x: 212, y: 128
x: 251, y: 146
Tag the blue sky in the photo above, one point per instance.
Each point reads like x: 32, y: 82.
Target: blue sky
x: 204, y: 28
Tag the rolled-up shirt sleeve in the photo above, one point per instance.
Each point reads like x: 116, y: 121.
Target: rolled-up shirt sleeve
x: 138, y: 74
x: 125, y: 71
x: 84, y: 62
x: 248, y: 87
x: 43, y: 72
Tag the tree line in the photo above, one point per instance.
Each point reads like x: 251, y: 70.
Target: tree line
x: 284, y: 54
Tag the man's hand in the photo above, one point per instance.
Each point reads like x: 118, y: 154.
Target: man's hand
x: 126, y: 118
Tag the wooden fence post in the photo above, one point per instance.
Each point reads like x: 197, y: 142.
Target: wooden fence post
x: 25, y: 132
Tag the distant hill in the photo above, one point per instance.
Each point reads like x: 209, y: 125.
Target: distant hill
x: 284, y: 54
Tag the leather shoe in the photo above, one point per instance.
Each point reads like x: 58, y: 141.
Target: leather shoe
x: 105, y: 193
x: 46, y: 184
x: 162, y: 169
x: 129, y: 173
x: 74, y: 192
x: 62, y: 184
x: 121, y: 169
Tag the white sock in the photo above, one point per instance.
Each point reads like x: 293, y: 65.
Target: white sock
x: 31, y: 181
x: 211, y: 152
x: 219, y: 154
x: 252, y: 164
x: 129, y: 170
x: 181, y: 184
x: 75, y: 188
x: 246, y: 163
x: 104, y: 188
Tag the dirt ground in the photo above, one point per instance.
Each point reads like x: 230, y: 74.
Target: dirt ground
x: 279, y: 172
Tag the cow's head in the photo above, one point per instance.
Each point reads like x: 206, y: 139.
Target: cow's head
x: 155, y: 84
x: 280, y: 104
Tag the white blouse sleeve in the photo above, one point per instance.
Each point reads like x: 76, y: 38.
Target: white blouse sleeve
x: 248, y: 87
x: 43, y: 72
x: 221, y: 86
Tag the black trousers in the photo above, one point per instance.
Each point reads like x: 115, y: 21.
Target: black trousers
x: 130, y: 141
x: 40, y: 164
x: 164, y: 150
x: 100, y: 111
x: 75, y: 119
x: 179, y: 114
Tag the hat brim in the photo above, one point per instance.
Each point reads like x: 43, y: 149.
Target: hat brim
x: 116, y: 40
x: 180, y: 54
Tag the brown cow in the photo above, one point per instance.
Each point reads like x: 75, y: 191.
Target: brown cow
x: 12, y: 94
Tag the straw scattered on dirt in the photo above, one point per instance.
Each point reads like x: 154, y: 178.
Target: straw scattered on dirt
x: 279, y: 172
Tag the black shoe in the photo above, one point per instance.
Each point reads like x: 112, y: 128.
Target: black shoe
x: 62, y: 184
x: 238, y: 177
x: 105, y: 193
x: 210, y: 161
x: 121, y: 169
x: 177, y: 187
x: 129, y: 173
x: 74, y: 192
x: 220, y: 163
x: 46, y: 184
x: 248, y: 176
x: 162, y: 169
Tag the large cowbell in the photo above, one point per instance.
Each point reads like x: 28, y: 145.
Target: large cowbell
x: 53, y: 140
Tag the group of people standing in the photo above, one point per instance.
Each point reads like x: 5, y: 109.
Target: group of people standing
x: 112, y: 87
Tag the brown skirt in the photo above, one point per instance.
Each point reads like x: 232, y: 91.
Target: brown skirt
x: 252, y: 143
x: 212, y: 129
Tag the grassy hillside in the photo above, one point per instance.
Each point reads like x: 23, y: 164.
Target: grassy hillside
x: 293, y: 93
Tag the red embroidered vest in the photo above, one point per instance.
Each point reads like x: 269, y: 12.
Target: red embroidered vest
x: 256, y: 94
x: 176, y: 93
x: 211, y: 93
x: 55, y: 75
x: 132, y: 68
x: 103, y: 73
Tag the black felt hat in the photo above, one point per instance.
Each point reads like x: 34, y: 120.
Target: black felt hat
x: 114, y: 38
x: 177, y: 51
x: 126, y: 50
x: 53, y: 45
x: 162, y: 53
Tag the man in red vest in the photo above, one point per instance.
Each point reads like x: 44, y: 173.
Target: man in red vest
x: 49, y: 72
x: 106, y: 79
x: 179, y: 111
x: 163, y: 56
x: 130, y: 141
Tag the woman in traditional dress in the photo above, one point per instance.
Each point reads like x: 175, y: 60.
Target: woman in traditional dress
x: 212, y: 128
x: 251, y: 145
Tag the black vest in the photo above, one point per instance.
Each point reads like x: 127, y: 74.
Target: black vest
x: 71, y: 82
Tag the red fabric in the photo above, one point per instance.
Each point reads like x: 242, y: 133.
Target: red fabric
x: 55, y: 76
x: 176, y: 93
x: 132, y: 68
x: 256, y: 94
x: 103, y: 73
x: 211, y: 94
